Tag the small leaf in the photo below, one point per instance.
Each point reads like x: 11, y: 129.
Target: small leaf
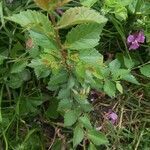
x: 110, y: 88
x: 88, y: 3
x: 70, y: 117
x: 91, y: 56
x: 40, y: 69
x: 43, y: 41
x: 18, y: 66
x: 84, y: 36
x: 114, y: 65
x: 79, y: 15
x: 85, y: 122
x: 34, y: 20
x: 91, y: 146
x: 131, y: 78
x: 78, y: 135
x: 128, y: 62
x: 64, y: 104
x: 97, y: 137
x: 119, y: 87
x: 145, y: 70
x: 52, y: 112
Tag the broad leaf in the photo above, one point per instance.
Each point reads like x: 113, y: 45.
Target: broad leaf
x: 131, y: 78
x: 78, y: 135
x: 79, y: 15
x: 70, y: 117
x: 91, y: 56
x: 65, y: 104
x: 114, y: 65
x: 110, y: 88
x: 97, y: 138
x: 88, y: 3
x: 145, y: 70
x: 84, y: 36
x: 40, y: 69
x: 34, y: 20
x: 18, y: 66
x: 43, y: 41
x: 85, y: 121
x: 128, y: 62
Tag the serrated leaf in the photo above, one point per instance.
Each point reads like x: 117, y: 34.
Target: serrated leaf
x: 85, y: 121
x: 119, y: 87
x: 84, y: 36
x: 64, y: 104
x: 88, y: 3
x: 15, y: 81
x: 109, y: 88
x: 57, y: 79
x: 97, y: 137
x: 79, y: 15
x: 34, y: 20
x: 18, y: 66
x: 145, y: 70
x: 40, y: 69
x: 70, y: 117
x: 43, y: 40
x: 78, y: 135
x: 91, y: 56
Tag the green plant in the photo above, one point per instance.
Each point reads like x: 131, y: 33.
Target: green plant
x: 70, y: 64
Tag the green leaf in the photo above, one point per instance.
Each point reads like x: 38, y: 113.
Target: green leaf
x: 91, y: 146
x: 18, y: 66
x: 2, y: 58
x: 57, y: 80
x: 88, y: 3
x: 97, y: 137
x: 40, y: 69
x: 119, y: 87
x: 145, y: 70
x: 30, y: 104
x: 34, y: 20
x: 43, y: 41
x: 131, y: 78
x: 109, y: 88
x: 64, y: 104
x: 78, y: 135
x: 128, y: 62
x: 85, y: 122
x: 84, y: 36
x: 79, y: 15
x: 70, y: 117
x: 91, y: 56
x: 52, y: 112
x: 114, y: 65
x: 15, y: 81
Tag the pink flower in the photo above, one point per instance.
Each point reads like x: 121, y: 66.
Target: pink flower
x: 112, y: 117
x: 134, y: 40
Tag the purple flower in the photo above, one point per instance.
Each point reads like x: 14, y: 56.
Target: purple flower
x: 112, y: 116
x: 134, y: 40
